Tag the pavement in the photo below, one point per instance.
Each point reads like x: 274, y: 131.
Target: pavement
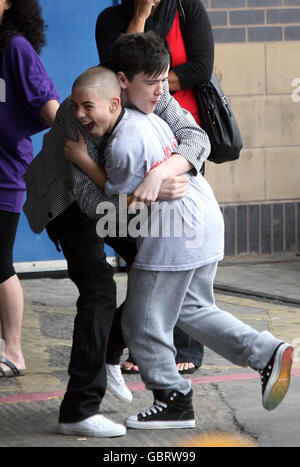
x: 262, y: 291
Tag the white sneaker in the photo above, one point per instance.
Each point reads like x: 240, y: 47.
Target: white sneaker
x: 116, y: 383
x: 96, y: 426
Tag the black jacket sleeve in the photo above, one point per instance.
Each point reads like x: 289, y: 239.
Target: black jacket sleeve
x: 199, y: 43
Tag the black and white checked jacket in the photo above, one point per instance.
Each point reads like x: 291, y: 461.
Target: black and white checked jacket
x: 53, y: 183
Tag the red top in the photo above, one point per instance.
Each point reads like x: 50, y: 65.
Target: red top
x: 185, y: 97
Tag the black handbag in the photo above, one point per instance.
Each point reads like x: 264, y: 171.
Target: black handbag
x: 218, y: 121
x: 216, y: 116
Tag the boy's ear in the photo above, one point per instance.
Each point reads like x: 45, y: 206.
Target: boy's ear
x: 115, y: 103
x: 122, y: 79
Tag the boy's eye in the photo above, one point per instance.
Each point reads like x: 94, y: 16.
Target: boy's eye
x: 151, y: 83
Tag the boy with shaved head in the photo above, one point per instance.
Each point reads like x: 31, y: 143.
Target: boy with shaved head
x: 96, y: 104
x: 138, y: 141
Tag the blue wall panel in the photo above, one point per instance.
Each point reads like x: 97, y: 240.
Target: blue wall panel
x: 70, y: 49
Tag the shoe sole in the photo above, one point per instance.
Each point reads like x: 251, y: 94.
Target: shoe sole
x: 11, y: 374
x: 89, y: 434
x: 190, y: 371
x: 160, y: 425
x: 279, y: 381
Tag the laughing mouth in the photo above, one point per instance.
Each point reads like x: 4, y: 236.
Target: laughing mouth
x: 88, y: 126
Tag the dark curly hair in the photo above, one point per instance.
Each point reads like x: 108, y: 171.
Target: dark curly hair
x: 23, y: 18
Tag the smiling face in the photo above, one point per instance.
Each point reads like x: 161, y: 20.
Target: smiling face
x: 96, y: 112
x: 143, y: 91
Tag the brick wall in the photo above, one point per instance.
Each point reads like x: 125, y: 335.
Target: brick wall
x: 257, y: 62
x: 254, y: 20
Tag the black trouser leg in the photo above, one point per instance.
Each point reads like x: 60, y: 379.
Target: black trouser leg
x: 8, y: 229
x: 88, y: 269
x: 188, y: 350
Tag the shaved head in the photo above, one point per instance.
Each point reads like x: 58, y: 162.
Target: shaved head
x: 101, y: 77
x: 96, y: 100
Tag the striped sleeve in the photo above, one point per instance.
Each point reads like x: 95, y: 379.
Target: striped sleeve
x: 193, y: 142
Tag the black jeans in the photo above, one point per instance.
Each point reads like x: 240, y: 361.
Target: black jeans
x: 83, y: 249
x: 93, y: 276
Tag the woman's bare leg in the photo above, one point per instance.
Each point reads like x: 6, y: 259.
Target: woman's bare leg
x: 11, y: 317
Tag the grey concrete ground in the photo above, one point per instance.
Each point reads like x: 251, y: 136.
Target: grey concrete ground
x: 227, y: 399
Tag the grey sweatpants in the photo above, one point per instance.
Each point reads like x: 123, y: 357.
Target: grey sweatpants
x: 156, y: 301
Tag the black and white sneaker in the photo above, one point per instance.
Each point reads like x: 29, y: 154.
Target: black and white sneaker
x: 275, y: 377
x: 169, y: 410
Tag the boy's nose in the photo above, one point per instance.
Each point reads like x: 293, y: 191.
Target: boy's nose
x: 159, y: 89
x: 79, y: 113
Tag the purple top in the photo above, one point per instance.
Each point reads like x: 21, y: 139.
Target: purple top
x: 24, y: 89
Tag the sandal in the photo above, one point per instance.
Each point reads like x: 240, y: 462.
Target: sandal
x: 188, y: 371
x: 129, y: 371
x: 13, y: 370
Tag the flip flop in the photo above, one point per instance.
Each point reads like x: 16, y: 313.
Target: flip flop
x: 188, y: 371
x: 13, y: 370
x: 129, y: 372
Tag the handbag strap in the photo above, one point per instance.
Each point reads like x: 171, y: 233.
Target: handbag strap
x: 181, y: 15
